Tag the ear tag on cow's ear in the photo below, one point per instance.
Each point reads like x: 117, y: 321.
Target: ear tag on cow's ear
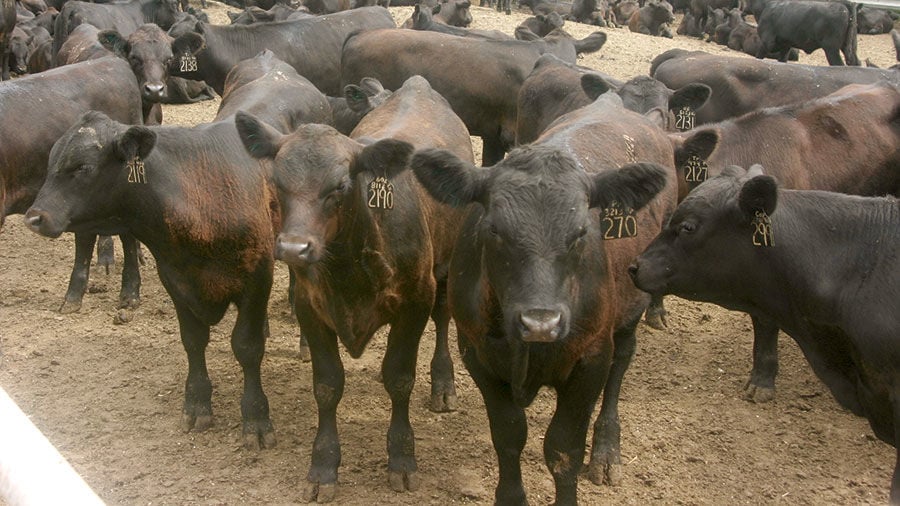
x: 136, y: 173
x: 188, y: 63
x: 684, y: 119
x: 762, y: 230
x: 381, y: 194
x: 695, y: 170
x: 629, y: 148
x: 618, y: 222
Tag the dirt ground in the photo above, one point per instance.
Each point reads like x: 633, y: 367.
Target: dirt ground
x: 109, y: 396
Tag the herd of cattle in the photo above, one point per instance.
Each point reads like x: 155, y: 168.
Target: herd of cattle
x: 342, y: 147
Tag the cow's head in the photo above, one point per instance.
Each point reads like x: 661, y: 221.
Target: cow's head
x: 368, y: 95
x: 721, y: 226
x: 18, y: 51
x: 538, y: 235
x: 315, y: 170
x: 89, y: 167
x: 150, y: 52
x: 454, y: 12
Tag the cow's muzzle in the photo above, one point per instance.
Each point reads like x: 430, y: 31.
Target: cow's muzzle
x: 40, y: 222
x: 540, y: 325
x: 295, y: 251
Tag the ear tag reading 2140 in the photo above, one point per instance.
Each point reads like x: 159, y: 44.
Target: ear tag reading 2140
x: 136, y: 173
x: 762, y: 230
x: 618, y: 223
x: 381, y: 194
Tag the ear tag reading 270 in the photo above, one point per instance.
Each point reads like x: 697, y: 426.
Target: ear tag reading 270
x: 381, y: 194
x: 618, y: 223
x: 684, y: 119
x: 136, y: 173
x: 188, y: 63
x: 695, y: 170
x: 762, y: 230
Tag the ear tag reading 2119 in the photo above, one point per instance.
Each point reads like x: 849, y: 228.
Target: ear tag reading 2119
x: 762, y: 230
x: 381, y: 194
x: 136, y: 173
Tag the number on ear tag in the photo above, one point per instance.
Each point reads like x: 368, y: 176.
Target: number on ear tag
x: 381, y: 194
x: 618, y: 223
x: 762, y: 230
x: 188, y: 63
x: 684, y: 119
x: 629, y: 148
x: 136, y: 173
x: 695, y: 170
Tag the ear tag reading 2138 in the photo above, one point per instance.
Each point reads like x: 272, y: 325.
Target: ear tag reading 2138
x: 188, y: 63
x: 762, y: 230
x: 381, y: 194
x: 618, y: 223
x: 136, y: 173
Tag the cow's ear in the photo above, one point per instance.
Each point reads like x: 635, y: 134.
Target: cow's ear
x: 371, y: 86
x: 357, y: 99
x: 137, y: 141
x: 387, y: 157
x: 449, y: 179
x: 595, y: 85
x: 693, y: 95
x: 633, y: 185
x: 113, y: 41
x: 188, y: 43
x: 759, y: 193
x: 658, y: 117
x: 700, y: 144
x: 260, y: 139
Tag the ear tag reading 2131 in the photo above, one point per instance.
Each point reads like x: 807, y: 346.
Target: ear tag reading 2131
x: 684, y: 119
x: 618, y: 223
x: 136, y: 173
x: 381, y: 194
x: 188, y: 63
x: 762, y: 230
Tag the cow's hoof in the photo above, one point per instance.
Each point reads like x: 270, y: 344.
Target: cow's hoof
x: 259, y: 435
x: 443, y: 402
x: 127, y: 302
x: 70, y: 306
x: 122, y: 317
x: 758, y: 394
x: 402, y: 481
x: 656, y: 319
x: 604, y: 473
x: 318, y: 492
x: 198, y: 423
x: 304, y: 351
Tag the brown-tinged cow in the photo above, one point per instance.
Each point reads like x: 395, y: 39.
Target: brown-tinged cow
x: 54, y: 100
x: 822, y: 266
x: 740, y: 85
x: 368, y: 248
x: 311, y: 45
x: 846, y: 142
x: 653, y: 19
x: 538, y: 285
x: 487, y: 104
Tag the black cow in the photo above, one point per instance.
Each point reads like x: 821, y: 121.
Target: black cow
x: 347, y: 111
x: 872, y: 21
x: 368, y: 248
x: 823, y: 266
x: 741, y: 85
x: 423, y: 18
x: 7, y: 24
x: 312, y: 46
x: 845, y: 142
x: 808, y: 25
x: 53, y: 101
x: 482, y: 87
x: 448, y: 12
x: 539, y: 297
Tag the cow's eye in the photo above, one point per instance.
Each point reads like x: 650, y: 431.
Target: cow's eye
x: 687, y: 227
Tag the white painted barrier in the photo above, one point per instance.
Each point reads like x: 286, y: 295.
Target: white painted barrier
x: 32, y: 472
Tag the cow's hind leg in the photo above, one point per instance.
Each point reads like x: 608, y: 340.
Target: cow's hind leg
x: 564, y: 441
x: 509, y: 429
x: 443, y: 390
x: 130, y: 294
x: 761, y: 385
x: 606, y: 456
x: 833, y: 55
x: 78, y: 280
x: 248, y: 342
x: 399, y: 372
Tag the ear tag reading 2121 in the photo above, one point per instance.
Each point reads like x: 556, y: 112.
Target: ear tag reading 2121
x: 618, y: 223
x: 381, y: 194
x: 188, y: 63
x: 136, y: 173
x: 762, y: 230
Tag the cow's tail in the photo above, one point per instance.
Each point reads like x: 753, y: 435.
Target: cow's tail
x: 849, y: 48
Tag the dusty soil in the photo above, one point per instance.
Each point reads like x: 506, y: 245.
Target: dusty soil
x: 109, y: 396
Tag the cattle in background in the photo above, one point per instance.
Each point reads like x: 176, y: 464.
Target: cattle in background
x: 539, y: 297
x: 7, y: 24
x: 358, y: 100
x: 623, y: 10
x: 54, y: 100
x: 17, y: 52
x: 872, y: 21
x: 822, y: 266
x: 653, y: 19
x: 124, y: 17
x: 701, y: 9
x: 368, y: 248
x: 422, y: 18
x: 278, y: 12
x: 312, y: 46
x: 589, y: 12
x: 741, y: 85
x: 540, y: 24
x: 807, y: 25
x: 487, y: 104
x: 744, y: 38
x: 845, y: 142
x: 556, y: 87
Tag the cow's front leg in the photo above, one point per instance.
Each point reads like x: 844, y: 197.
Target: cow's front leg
x: 248, y: 340
x: 443, y: 390
x: 197, y: 412
x: 761, y: 385
x: 399, y: 374
x: 328, y: 388
x: 509, y: 429
x: 78, y: 280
